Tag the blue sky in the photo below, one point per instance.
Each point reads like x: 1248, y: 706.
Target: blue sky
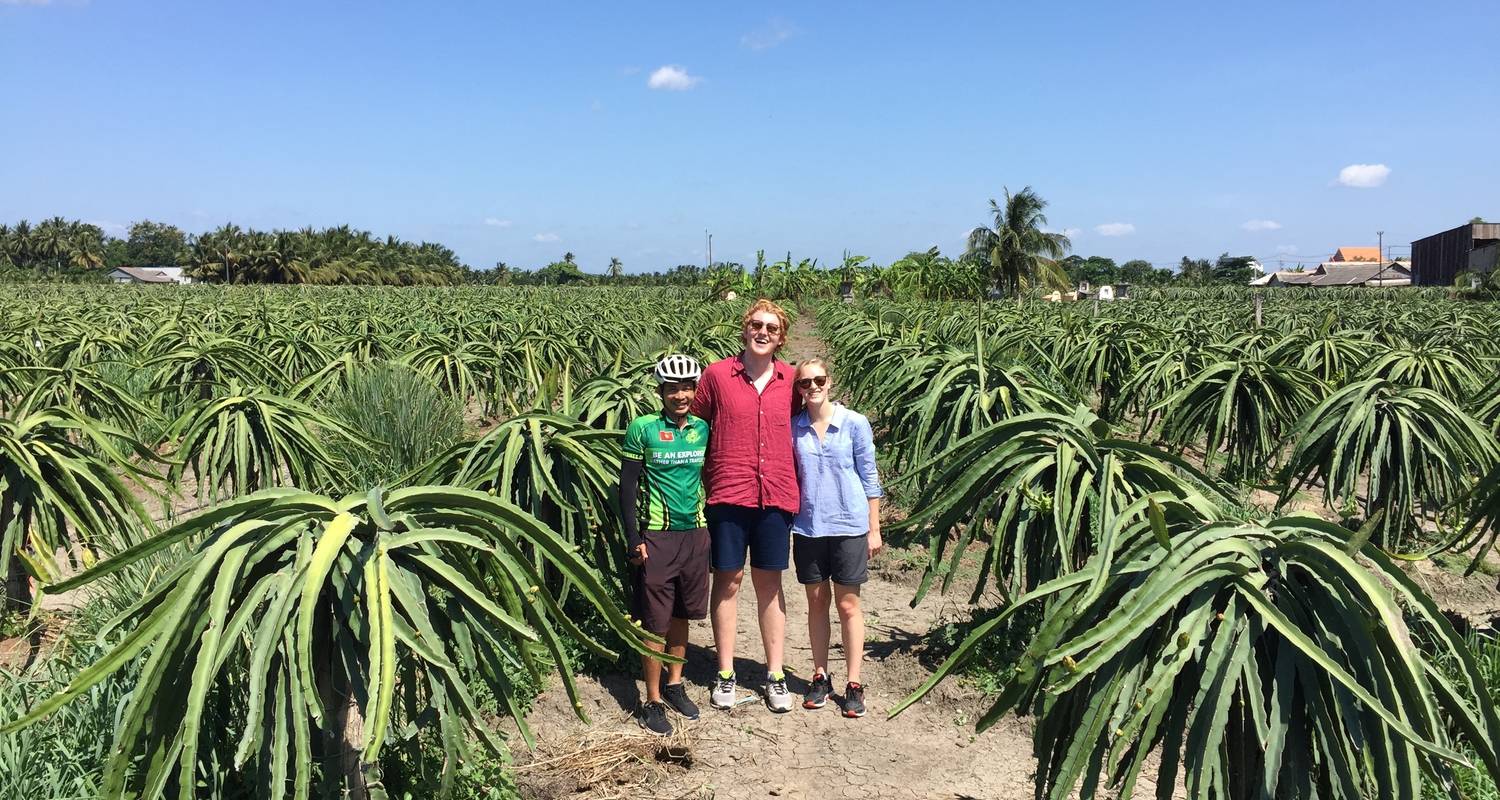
x: 516, y: 132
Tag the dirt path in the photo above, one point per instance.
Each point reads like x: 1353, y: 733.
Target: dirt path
x: 930, y: 751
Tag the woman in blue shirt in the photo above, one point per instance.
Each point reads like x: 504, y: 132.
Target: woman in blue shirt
x: 837, y: 530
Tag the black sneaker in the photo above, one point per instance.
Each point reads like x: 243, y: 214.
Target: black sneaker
x: 817, y: 692
x: 675, y: 695
x: 654, y: 718
x: 854, y: 700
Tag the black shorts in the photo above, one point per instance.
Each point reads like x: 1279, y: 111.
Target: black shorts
x: 673, y: 583
x: 845, y: 560
x: 765, y: 532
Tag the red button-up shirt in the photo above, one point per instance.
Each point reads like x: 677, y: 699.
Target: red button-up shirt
x: 749, y: 461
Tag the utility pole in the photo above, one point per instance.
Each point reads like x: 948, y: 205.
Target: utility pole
x: 710, y: 264
x: 1380, y: 253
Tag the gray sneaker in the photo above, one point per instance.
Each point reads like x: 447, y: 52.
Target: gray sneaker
x: 723, y: 694
x: 778, y: 698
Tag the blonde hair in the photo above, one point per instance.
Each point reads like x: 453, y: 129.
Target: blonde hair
x: 767, y: 306
x: 815, y: 362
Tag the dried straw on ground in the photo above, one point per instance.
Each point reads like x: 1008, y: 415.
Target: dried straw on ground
x: 602, y: 764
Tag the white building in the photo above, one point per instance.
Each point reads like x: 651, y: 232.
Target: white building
x: 148, y: 275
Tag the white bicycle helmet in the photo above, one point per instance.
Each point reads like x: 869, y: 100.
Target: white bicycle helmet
x: 677, y: 367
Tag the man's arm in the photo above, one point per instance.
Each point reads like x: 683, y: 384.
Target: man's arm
x: 703, y: 399
x: 634, y: 461
x: 630, y: 482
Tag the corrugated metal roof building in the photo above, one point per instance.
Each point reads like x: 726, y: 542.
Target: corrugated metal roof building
x: 1437, y: 259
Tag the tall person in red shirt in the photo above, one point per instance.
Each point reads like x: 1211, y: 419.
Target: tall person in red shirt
x: 751, y: 478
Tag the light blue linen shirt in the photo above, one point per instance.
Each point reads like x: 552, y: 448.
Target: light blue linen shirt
x: 837, y: 475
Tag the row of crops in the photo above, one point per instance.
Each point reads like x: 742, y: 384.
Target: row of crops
x: 1129, y: 471
x: 332, y: 531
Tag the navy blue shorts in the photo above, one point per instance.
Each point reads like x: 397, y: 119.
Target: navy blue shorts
x: 765, y: 532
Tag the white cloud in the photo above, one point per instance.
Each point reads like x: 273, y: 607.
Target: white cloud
x: 1068, y: 232
x: 672, y: 78
x: 1114, y: 229
x: 1286, y: 249
x: 769, y: 35
x: 1262, y: 225
x: 545, y: 237
x: 496, y: 222
x: 107, y: 227
x: 1364, y: 176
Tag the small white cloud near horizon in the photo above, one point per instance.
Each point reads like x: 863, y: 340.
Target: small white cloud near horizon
x: 1068, y: 232
x: 767, y: 36
x: 1262, y: 225
x: 496, y: 222
x: 1286, y: 249
x: 1364, y: 176
x: 672, y: 78
x: 545, y: 237
x: 1114, y: 229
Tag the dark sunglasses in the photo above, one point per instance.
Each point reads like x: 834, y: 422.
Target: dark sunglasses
x: 769, y: 327
x: 807, y: 383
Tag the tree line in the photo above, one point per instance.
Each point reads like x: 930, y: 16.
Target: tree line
x: 1013, y: 255
x: 60, y: 249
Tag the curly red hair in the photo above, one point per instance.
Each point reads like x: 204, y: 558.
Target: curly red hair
x: 764, y: 305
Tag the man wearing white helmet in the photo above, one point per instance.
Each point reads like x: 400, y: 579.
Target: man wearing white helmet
x: 661, y: 500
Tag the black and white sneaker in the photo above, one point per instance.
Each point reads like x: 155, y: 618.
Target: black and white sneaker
x: 854, y: 700
x: 653, y: 717
x: 817, y: 692
x: 675, y: 695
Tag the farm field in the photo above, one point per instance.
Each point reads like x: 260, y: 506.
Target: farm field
x: 262, y: 541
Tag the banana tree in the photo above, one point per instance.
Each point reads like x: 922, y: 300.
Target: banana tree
x: 1244, y: 660
x: 303, y: 630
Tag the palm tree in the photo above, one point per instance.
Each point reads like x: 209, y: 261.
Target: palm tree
x: 616, y: 269
x: 1017, y: 252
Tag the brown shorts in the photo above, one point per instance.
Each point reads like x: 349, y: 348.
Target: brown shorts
x: 673, y: 583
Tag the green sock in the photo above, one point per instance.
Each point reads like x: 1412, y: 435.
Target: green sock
x: 725, y: 674
x: 777, y: 676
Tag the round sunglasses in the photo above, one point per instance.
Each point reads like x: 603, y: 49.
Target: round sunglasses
x: 769, y: 327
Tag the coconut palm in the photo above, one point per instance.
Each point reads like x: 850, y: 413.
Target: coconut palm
x: 1017, y: 253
